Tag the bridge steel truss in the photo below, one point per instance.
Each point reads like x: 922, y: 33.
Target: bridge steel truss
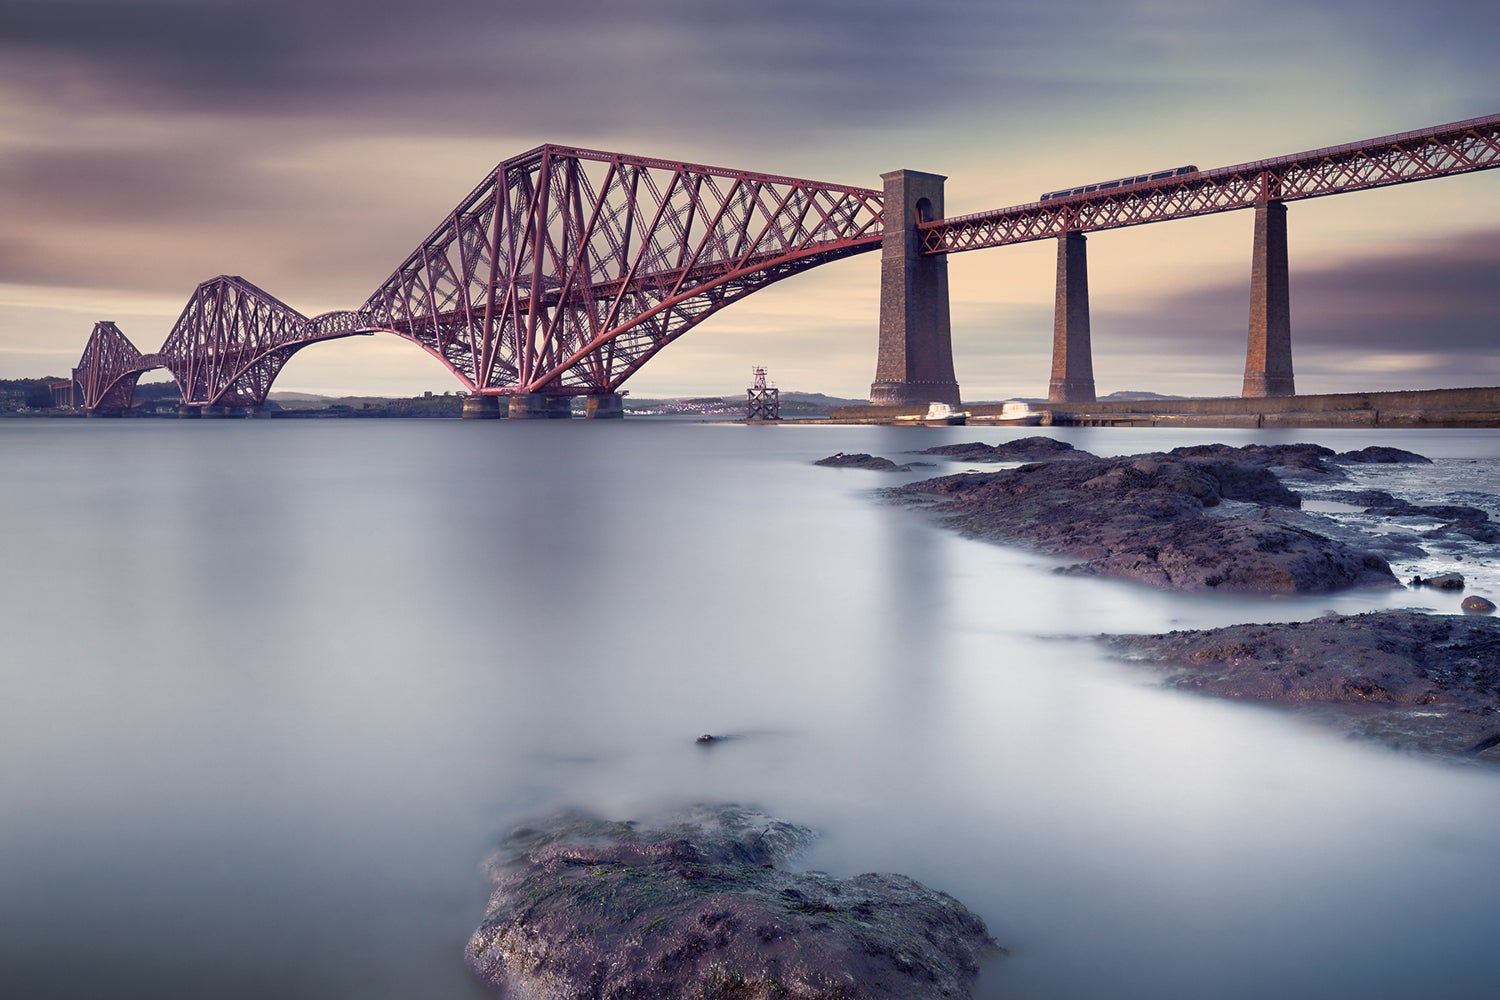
x: 233, y: 338
x: 567, y: 269
x: 225, y: 349
x: 1441, y: 151
x: 109, y: 369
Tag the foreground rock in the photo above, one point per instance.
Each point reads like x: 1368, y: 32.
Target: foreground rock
x: 1162, y: 519
x: 698, y: 908
x: 1413, y: 680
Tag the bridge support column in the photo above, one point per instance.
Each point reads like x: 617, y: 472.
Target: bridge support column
x: 189, y: 411
x: 1072, y: 349
x: 536, y: 406
x: 606, y: 406
x: 1268, y: 359
x: 481, y: 408
x: 916, y: 337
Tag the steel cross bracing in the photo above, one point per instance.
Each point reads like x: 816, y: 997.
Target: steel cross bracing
x: 567, y: 269
x: 233, y: 338
x: 109, y: 368
x: 1441, y: 151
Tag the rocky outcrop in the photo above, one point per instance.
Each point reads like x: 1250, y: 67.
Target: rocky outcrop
x: 1383, y: 455
x: 1429, y: 682
x: 1289, y: 461
x: 1150, y: 518
x: 1029, y: 449
x: 860, y: 460
x: 700, y: 907
x: 1382, y: 503
x: 1458, y: 520
x: 1476, y: 605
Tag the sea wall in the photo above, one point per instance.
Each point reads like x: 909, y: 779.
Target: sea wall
x: 1479, y: 407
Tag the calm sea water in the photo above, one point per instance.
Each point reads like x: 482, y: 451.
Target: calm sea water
x: 272, y: 691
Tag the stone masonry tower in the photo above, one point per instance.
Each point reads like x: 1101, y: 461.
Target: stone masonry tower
x: 916, y: 337
x: 1268, y: 358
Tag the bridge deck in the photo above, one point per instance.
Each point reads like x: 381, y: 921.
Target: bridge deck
x: 1440, y: 151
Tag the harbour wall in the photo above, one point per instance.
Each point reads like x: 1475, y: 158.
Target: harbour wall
x: 1407, y: 408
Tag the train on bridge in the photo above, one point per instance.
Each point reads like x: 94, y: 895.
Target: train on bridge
x: 1122, y: 182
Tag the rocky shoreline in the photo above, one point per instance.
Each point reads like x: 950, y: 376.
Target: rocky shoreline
x: 1216, y: 518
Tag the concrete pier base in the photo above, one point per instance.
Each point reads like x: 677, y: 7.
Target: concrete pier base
x: 606, y: 406
x: 189, y: 412
x: 213, y: 412
x: 1268, y: 357
x: 481, y: 408
x: 915, y: 366
x: 536, y: 406
x: 1072, y: 349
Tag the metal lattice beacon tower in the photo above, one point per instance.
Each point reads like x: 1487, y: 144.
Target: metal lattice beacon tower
x: 1268, y: 358
x: 916, y: 336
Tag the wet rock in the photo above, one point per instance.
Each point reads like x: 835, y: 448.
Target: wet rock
x: 1289, y: 461
x: 1029, y: 449
x: 1143, y: 517
x: 1383, y: 455
x: 1489, y: 742
x: 1429, y: 682
x: 1443, y: 581
x: 1463, y: 520
x: 859, y: 460
x: 1485, y: 531
x: 699, y: 907
x: 1372, y: 500
x: 1450, y: 512
x: 1476, y: 605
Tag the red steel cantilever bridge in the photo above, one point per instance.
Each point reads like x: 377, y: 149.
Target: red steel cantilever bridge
x: 568, y: 269
x: 560, y: 275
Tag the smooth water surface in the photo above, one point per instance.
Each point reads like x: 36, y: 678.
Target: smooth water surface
x: 273, y: 690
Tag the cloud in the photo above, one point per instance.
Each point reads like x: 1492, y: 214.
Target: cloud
x: 780, y: 67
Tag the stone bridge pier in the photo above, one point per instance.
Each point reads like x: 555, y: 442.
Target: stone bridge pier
x: 1268, y: 358
x: 915, y: 366
x: 1268, y: 354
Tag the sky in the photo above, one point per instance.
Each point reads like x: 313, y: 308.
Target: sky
x: 309, y: 145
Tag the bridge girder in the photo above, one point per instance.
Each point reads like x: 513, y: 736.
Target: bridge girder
x: 567, y: 269
x: 1440, y: 151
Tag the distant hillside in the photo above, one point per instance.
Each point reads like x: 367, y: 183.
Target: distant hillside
x: 1134, y: 395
